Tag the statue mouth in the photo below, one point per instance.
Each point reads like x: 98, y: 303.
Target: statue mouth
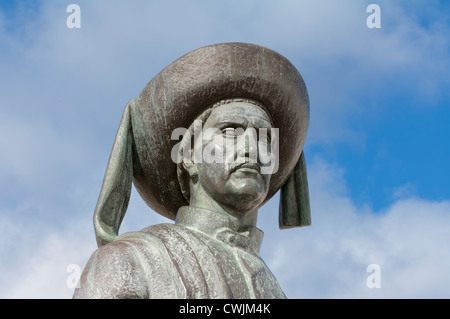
x: 247, y: 167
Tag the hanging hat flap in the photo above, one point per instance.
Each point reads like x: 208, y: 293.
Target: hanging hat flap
x: 294, y: 208
x: 116, y: 188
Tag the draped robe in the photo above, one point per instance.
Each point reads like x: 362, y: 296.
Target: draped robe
x: 204, y: 254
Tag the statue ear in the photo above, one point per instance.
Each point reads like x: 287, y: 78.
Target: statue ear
x: 294, y: 208
x: 191, y: 168
x: 116, y: 188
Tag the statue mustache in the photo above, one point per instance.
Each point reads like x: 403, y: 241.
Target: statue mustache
x: 246, y: 163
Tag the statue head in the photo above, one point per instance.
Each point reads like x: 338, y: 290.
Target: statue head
x: 229, y: 163
x: 235, y: 92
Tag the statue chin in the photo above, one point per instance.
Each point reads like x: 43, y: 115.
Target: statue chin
x: 244, y: 194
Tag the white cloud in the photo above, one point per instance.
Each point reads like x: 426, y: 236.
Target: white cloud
x: 408, y: 240
x: 38, y: 257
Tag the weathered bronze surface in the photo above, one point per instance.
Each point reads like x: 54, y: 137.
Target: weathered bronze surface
x: 236, y: 91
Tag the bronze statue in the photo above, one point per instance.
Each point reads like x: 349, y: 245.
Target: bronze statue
x: 224, y: 96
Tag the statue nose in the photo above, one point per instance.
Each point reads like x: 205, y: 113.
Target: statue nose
x: 249, y: 144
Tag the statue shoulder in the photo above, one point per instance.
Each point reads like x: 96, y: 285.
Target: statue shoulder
x: 132, y: 266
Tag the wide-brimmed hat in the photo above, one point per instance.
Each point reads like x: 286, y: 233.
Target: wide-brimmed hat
x: 174, y: 98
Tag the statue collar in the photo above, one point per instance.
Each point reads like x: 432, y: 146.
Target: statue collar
x: 222, y: 227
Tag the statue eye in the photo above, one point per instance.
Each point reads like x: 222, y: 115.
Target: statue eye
x: 230, y: 132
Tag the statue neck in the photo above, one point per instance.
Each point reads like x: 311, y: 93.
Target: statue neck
x: 220, y: 226
x: 202, y: 199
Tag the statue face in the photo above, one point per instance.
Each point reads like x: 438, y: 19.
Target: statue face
x: 238, y: 139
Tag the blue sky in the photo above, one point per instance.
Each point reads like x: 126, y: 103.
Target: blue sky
x: 377, y: 147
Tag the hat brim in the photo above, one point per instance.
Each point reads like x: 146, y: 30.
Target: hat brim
x: 182, y: 91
